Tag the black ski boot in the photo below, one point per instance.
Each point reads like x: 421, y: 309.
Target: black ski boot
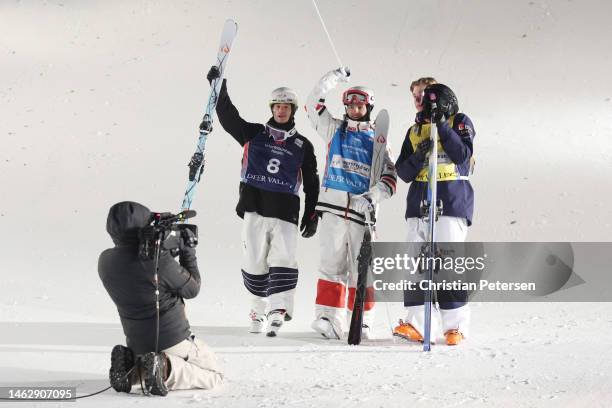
x: 122, y: 361
x: 156, y: 368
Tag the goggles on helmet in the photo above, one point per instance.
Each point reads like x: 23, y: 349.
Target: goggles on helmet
x: 356, y: 97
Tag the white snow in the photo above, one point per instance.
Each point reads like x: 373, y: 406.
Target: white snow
x: 101, y: 100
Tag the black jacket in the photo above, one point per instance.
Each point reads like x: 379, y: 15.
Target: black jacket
x: 129, y: 282
x: 268, y: 203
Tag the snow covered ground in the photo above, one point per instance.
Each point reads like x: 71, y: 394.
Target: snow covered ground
x: 100, y: 102
x: 545, y: 355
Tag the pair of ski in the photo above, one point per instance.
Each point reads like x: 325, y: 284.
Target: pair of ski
x: 196, y: 164
x: 431, y: 209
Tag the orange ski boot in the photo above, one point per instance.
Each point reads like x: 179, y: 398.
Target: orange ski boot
x: 407, y: 331
x: 453, y: 337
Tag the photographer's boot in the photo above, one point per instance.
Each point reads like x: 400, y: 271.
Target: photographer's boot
x: 157, y: 369
x: 122, y: 361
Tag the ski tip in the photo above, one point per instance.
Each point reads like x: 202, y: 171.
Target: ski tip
x: 382, y: 118
x: 231, y: 21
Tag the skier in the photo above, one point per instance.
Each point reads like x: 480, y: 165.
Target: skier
x: 455, y: 149
x: 185, y: 361
x: 352, y: 185
x: 276, y: 160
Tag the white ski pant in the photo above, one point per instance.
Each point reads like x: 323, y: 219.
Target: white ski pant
x: 340, y: 240
x: 455, y: 313
x: 269, y: 262
x: 193, y: 365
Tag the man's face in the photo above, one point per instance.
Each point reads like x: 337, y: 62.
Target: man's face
x: 281, y: 112
x: 356, y: 111
x: 417, y: 95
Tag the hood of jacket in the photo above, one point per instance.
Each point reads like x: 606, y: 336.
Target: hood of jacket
x: 124, y: 221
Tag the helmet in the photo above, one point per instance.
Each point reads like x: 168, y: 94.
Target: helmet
x: 358, y: 95
x: 443, y: 96
x: 284, y: 95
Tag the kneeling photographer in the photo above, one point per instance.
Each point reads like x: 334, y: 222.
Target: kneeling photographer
x: 149, y: 286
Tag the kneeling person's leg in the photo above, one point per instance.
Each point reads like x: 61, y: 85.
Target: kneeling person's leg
x: 193, y: 365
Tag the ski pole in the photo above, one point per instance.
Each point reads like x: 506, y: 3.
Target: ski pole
x: 327, y: 33
x: 433, y: 214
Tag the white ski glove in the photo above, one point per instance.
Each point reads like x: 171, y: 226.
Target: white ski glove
x: 343, y: 73
x: 362, y: 203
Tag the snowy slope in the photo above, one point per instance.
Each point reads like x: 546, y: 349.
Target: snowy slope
x: 100, y: 102
x: 527, y: 356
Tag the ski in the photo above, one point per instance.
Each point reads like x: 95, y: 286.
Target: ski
x: 432, y: 216
x: 196, y: 164
x: 364, y: 259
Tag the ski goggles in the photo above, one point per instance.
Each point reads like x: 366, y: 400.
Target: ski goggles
x: 280, y: 135
x: 355, y: 97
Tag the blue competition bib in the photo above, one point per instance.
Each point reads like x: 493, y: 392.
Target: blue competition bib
x: 349, y: 160
x: 273, y: 165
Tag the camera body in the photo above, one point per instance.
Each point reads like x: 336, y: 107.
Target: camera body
x: 166, y: 232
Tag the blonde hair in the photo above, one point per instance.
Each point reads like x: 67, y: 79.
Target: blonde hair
x: 423, y: 81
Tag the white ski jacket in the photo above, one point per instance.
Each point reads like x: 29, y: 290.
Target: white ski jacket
x: 383, y: 177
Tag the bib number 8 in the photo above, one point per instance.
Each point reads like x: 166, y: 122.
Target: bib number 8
x: 273, y: 166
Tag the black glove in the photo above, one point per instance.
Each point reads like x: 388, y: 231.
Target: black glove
x: 309, y: 224
x: 437, y: 115
x: 422, y: 149
x: 213, y: 73
x: 439, y: 103
x: 186, y: 250
x: 188, y: 238
x: 187, y: 241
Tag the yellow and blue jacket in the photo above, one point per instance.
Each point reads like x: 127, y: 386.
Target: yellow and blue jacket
x: 455, y: 150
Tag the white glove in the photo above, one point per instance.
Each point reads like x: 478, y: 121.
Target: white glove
x: 362, y: 203
x: 343, y: 73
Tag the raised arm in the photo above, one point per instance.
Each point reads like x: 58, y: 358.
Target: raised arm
x: 230, y: 119
x: 320, y: 118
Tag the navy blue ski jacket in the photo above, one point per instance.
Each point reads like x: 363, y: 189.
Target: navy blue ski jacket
x: 456, y: 138
x: 273, y: 204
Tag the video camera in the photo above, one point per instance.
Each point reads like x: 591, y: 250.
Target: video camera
x: 165, y: 231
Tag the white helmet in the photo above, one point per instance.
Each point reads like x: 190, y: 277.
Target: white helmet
x: 358, y: 95
x: 284, y: 95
